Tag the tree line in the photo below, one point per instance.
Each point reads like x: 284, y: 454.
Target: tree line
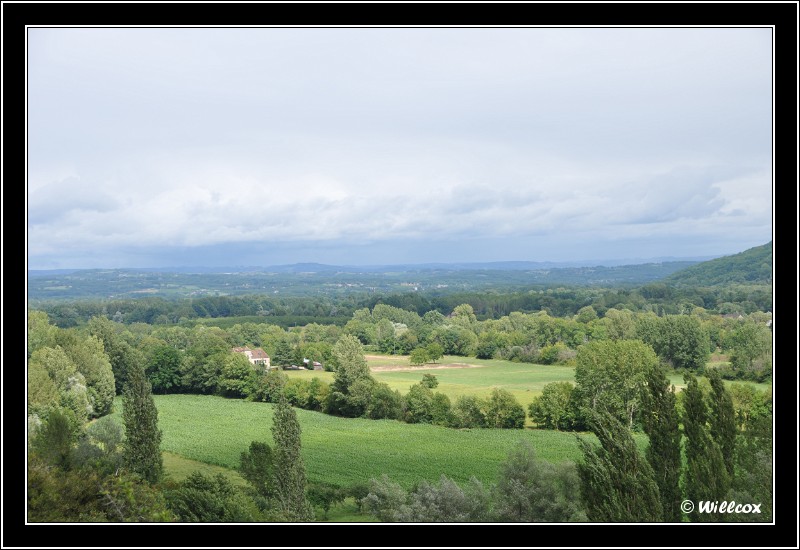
x: 661, y: 298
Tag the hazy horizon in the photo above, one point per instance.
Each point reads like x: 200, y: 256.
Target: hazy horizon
x: 609, y: 262
x: 167, y: 147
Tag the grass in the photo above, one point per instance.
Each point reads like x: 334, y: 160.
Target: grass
x: 214, y: 430
x: 208, y: 433
x: 178, y: 468
x: 524, y: 380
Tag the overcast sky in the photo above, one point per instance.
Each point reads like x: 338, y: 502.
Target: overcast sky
x: 246, y: 147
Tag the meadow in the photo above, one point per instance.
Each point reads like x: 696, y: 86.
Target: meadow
x: 471, y: 376
x: 461, y: 375
x: 208, y: 433
x: 215, y: 430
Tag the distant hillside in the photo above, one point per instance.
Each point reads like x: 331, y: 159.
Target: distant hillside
x: 753, y: 266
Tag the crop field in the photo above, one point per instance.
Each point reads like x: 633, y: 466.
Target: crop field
x: 215, y: 430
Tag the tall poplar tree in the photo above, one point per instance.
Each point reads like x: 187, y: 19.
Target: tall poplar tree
x: 289, y: 469
x: 617, y: 483
x: 142, y: 450
x: 706, y: 475
x: 660, y: 422
x: 722, y: 420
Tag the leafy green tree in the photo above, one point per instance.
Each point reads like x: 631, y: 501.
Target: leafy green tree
x: 325, y: 495
x: 469, y: 412
x: 706, y: 475
x: 54, y: 441
x: 290, y: 471
x: 617, y: 483
x: 318, y: 392
x: 238, y: 377
x: 464, y: 315
x: 142, y: 451
x: 359, y: 398
x: 531, y: 490
x: 164, y: 368
x: 748, y: 403
x: 753, y: 478
x: 504, y: 411
x: 385, y: 403
x: 722, y: 420
x: 418, y: 404
x: 90, y: 359
x: 120, y: 353
x: 205, y: 499
x: 284, y: 354
x: 387, y: 500
x: 554, y: 410
x: 619, y: 324
x: 70, y: 384
x: 441, y: 410
x: 418, y: 356
x: 348, y: 356
x: 435, y: 351
x: 351, y: 368
x: 610, y: 375
x: 442, y: 502
x: 429, y: 380
x: 87, y: 495
x: 269, y: 387
x: 447, y: 502
x: 101, y: 446
x: 684, y: 343
x: 203, y: 360
x: 257, y: 466
x: 42, y: 391
x: 748, y: 342
x: 660, y: 422
x: 680, y: 340
x: 488, y: 344
x: 586, y: 314
x: 41, y: 334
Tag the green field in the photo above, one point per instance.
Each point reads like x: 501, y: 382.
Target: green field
x: 524, y: 380
x: 209, y: 433
x: 215, y: 430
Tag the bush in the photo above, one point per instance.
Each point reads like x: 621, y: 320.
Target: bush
x: 504, y: 411
x: 469, y: 412
x: 385, y: 403
x: 554, y: 409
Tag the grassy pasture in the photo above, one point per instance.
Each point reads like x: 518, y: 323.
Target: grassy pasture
x: 214, y: 430
x: 524, y: 380
x: 477, y: 377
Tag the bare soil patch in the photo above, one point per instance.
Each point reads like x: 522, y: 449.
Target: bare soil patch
x: 425, y: 367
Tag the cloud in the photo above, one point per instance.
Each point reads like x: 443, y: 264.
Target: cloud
x: 318, y: 139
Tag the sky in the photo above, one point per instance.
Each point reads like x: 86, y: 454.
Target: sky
x: 160, y: 147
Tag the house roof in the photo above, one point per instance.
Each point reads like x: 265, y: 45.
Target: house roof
x: 259, y: 353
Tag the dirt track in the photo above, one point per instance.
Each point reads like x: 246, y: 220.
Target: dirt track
x: 425, y: 367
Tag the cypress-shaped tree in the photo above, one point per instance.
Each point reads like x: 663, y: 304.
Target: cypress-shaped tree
x: 706, y: 475
x: 722, y: 420
x: 142, y: 449
x: 660, y: 422
x: 617, y: 483
x: 290, y: 471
